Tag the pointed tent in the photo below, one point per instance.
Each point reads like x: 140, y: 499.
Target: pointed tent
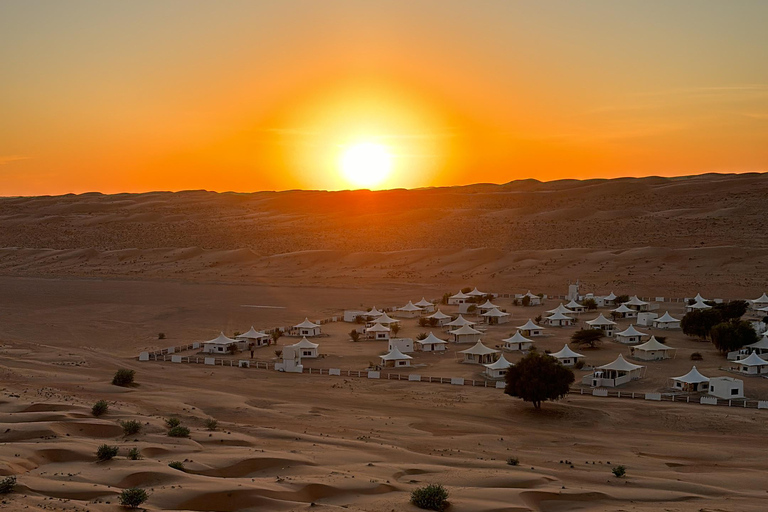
x: 651, y: 350
x: 495, y: 312
x: 620, y: 365
x: 559, y: 316
x: 464, y: 330
x: 692, y: 377
x: 699, y: 298
x: 623, y: 309
x: 575, y: 306
x: 610, y: 297
x: 666, y: 321
x: 459, y: 322
x: 479, y: 354
x: 385, y: 319
x: 761, y: 344
x: 517, y: 342
x: 476, y: 293
x: 221, y: 339
x: 305, y: 343
x: 600, y: 321
x: 439, y: 315
x: 630, y: 332
x: 252, y: 334
x: 763, y: 299
x: 460, y: 295
x: 395, y: 355
x: 424, y: 303
x: 500, y: 364
x: 410, y: 307
x: 635, y: 301
x: 698, y: 305
x: 374, y: 312
x: 561, y: 309
x: 487, y: 305
x: 530, y: 326
x: 753, y: 360
x: 431, y: 339
x: 566, y: 353
x: 377, y: 327
x: 306, y: 324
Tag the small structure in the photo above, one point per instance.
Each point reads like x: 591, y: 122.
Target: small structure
x: 487, y: 306
x: 431, y: 344
x: 616, y: 373
x: 760, y: 302
x: 410, y: 310
x: 378, y: 332
x: 373, y: 313
x: 440, y: 317
x: 560, y: 309
x: 652, y: 350
x: 646, y: 319
x: 220, y: 345
x: 726, y: 388
x: 624, y: 312
x: 385, y: 320
x: 760, y: 347
x: 691, y: 382
x: 306, y: 348
x: 566, y: 356
x: 559, y: 320
x: 306, y: 329
x: 517, y: 342
x: 630, y: 336
x: 576, y: 307
x: 666, y: 321
x: 535, y: 299
x: 602, y: 323
x: 253, y: 338
x: 291, y: 361
x: 425, y: 305
x: 459, y: 298
x: 404, y: 345
x: 495, y: 316
x: 637, y: 304
x: 753, y: 364
x: 395, y: 359
x: 459, y: 322
x: 479, y: 354
x: 498, y: 369
x: 531, y: 329
x: 607, y: 300
x: 351, y: 315
x: 465, y: 334
x: 698, y: 305
x: 476, y: 293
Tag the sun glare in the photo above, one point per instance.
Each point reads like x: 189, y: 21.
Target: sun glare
x: 366, y: 164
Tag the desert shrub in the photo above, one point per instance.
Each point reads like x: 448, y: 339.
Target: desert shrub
x: 354, y: 335
x: 590, y: 304
x: 176, y: 465
x: 430, y: 497
x: 526, y: 301
x: 131, y: 427
x: 423, y: 322
x: 7, y: 485
x: 619, y: 471
x: 161, y: 335
x: 587, y: 337
x: 278, y: 353
x: 696, y: 356
x: 621, y: 299
x: 172, y: 422
x: 106, y: 452
x: 211, y: 424
x: 422, y: 336
x: 276, y: 336
x: 134, y: 454
x: 100, y: 408
x: 394, y: 328
x: 733, y: 335
x: 445, y: 298
x: 133, y: 497
x: 513, y: 461
x: 179, y: 431
x: 471, y: 309
x: 123, y: 377
x: 537, y: 319
x: 579, y: 364
x: 538, y: 377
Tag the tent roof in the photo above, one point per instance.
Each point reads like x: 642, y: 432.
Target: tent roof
x: 386, y: 319
x: 487, y: 305
x: 495, y: 312
x: 517, y: 338
x: 221, y: 340
x: 306, y: 324
x: 699, y: 298
x: 377, y: 327
x: 500, y: 364
x: 439, y: 315
x: 430, y: 339
x: 559, y: 316
x: 601, y: 320
x: 476, y: 293
x: 529, y: 326
x: 752, y: 360
x: 622, y: 309
x: 653, y: 344
x: 761, y: 343
x: 631, y: 331
x: 635, y: 301
x: 560, y: 309
x: 460, y: 321
x: 374, y: 312
x: 305, y: 343
x: 699, y: 305
x: 762, y: 299
x: 610, y: 296
x: 395, y: 355
x: 410, y: 307
x: 529, y: 294
x: 620, y: 364
x: 424, y: 303
x: 692, y: 377
x: 479, y: 349
x: 574, y: 304
x: 565, y: 352
x: 465, y: 329
x: 460, y: 295
x: 665, y: 318
x: 252, y: 334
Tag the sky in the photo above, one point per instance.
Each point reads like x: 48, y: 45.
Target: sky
x: 272, y: 95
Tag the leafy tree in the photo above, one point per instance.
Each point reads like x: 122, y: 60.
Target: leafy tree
x: 430, y: 497
x: 698, y: 324
x: 731, y: 310
x: 354, y: 334
x: 526, y: 301
x: 515, y: 302
x: 537, y: 319
x: 587, y: 337
x: 621, y: 299
x: 133, y: 497
x: 590, y: 304
x: 728, y: 336
x: 276, y: 335
x: 537, y: 378
x: 422, y: 336
x: 100, y: 408
x: 445, y: 298
x: 123, y: 377
x: 106, y: 452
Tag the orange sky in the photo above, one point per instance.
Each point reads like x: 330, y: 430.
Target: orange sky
x: 249, y: 95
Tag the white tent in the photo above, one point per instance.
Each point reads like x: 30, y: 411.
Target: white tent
x: 395, y: 358
x: 465, y: 334
x: 379, y: 332
x: 531, y: 329
x: 431, y: 344
x: 306, y: 348
x: 566, y: 356
x: 517, y: 342
x: 637, y: 304
x: 219, y: 345
x: 459, y: 322
x: 760, y: 302
x: 575, y: 307
x: 459, y: 298
x: 760, y: 346
x: 624, y: 312
x: 699, y: 298
x: 476, y: 293
x: 699, y: 305
x: 666, y: 321
x: 385, y: 319
x: 630, y: 335
x: 498, y: 369
x: 410, y: 310
x: 440, y: 317
x: 610, y: 297
x: 479, y: 354
x: 535, y: 299
x: 374, y: 312
x: 560, y: 309
x: 692, y: 381
x: 307, y: 328
x: 425, y: 305
x: 602, y: 323
x: 652, y: 350
x: 496, y: 316
x: 258, y: 338
x: 485, y: 306
x: 559, y: 320
x: 615, y: 373
x: 753, y: 364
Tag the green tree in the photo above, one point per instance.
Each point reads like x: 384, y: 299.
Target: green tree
x: 621, y: 299
x: 590, y: 304
x: 587, y: 337
x: 731, y: 310
x: 728, y: 336
x: 538, y: 377
x: 133, y: 497
x: 698, y: 324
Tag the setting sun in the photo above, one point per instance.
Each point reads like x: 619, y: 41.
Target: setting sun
x: 366, y: 164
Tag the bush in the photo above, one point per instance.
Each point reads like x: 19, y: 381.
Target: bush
x: 354, y: 335
x: 621, y: 299
x: 131, y: 427
x: 587, y: 337
x: 7, y: 485
x: 172, y: 422
x: 526, y: 301
x: 733, y: 335
x: 619, y: 471
x: 211, y: 424
x: 123, y: 377
x: 394, y: 328
x: 422, y: 336
x: 538, y: 377
x: 696, y: 356
x: 100, y: 408
x: 179, y: 431
x: 430, y: 497
x: 134, y: 454
x: 590, y: 304
x: 176, y: 465
x: 106, y: 452
x: 513, y: 461
x: 133, y: 497
x: 161, y: 335
x: 537, y: 319
x: 698, y: 324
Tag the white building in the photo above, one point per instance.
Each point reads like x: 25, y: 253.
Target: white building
x: 646, y: 319
x: 477, y: 293
x: 559, y: 320
x: 431, y: 344
x: 487, y: 306
x: 576, y: 307
x: 395, y: 359
x: 498, y: 369
x: 459, y: 298
x: 652, y: 350
x: 440, y: 317
x: 624, y: 312
x: 425, y: 305
x: 616, y: 373
x: 479, y: 354
x: 465, y: 334
x: 566, y: 356
x: 535, y: 299
x: 378, y: 332
x: 306, y: 329
x: 220, y: 345
x: 306, y: 348
x: 531, y: 329
x: 517, y: 342
x: 385, y: 320
x: 291, y: 361
x: 253, y: 338
x: 603, y: 324
x: 496, y: 316
x: 630, y: 335
x: 560, y: 309
x: 459, y: 322
x: 726, y: 388
x: 351, y: 315
x: 637, y: 304
x: 666, y: 321
x: 410, y: 310
x: 691, y: 382
x: 404, y: 345
x: 753, y: 364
